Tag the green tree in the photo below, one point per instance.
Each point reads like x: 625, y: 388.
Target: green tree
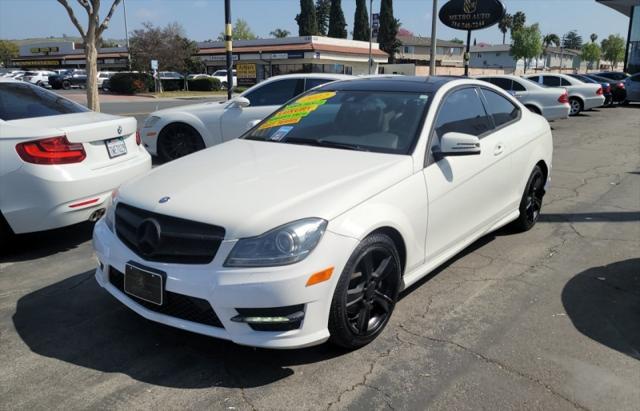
x: 307, y: 24
x: 388, y: 32
x: 591, y: 52
x: 517, y: 21
x: 323, y: 7
x: 241, y: 31
x: 572, y: 40
x: 280, y: 33
x: 337, y: 23
x: 8, y: 51
x: 527, y: 44
x: 547, y: 41
x: 456, y: 40
x: 613, y: 49
x: 361, y: 21
x: 593, y: 37
x: 504, y: 25
x: 168, y: 45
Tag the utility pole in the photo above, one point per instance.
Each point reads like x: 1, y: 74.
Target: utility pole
x: 228, y: 42
x: 126, y: 34
x: 434, y: 20
x: 370, y: 34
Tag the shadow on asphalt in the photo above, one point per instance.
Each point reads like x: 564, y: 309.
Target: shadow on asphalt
x: 603, y: 303
x: 610, y: 217
x: 25, y: 247
x: 77, y: 322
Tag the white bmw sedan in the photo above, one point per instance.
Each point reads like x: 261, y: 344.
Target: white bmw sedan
x: 582, y: 96
x: 59, y: 162
x: 176, y: 132
x: 308, y: 227
x: 551, y: 103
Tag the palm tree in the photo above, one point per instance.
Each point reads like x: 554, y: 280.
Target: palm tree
x: 280, y: 33
x: 548, y: 40
x: 593, y: 37
x: 504, y: 25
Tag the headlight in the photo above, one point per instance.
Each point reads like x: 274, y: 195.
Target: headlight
x: 150, y: 121
x: 284, y: 245
x: 110, y: 214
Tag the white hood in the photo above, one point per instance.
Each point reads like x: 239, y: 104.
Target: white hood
x: 194, y: 109
x: 249, y: 187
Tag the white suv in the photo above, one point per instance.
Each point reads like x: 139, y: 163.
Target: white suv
x: 224, y: 81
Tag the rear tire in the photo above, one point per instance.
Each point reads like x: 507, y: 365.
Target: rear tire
x: 66, y: 85
x: 576, y: 106
x: 178, y: 140
x: 6, y: 234
x: 366, y: 293
x: 531, y: 202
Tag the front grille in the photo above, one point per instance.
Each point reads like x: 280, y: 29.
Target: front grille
x: 179, y: 241
x: 176, y: 305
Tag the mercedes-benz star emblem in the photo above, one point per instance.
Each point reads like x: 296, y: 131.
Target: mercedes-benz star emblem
x: 148, y: 236
x: 119, y: 129
x: 164, y: 199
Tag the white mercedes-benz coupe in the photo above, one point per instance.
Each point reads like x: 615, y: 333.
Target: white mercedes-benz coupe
x: 307, y: 227
x: 59, y: 161
x: 175, y: 132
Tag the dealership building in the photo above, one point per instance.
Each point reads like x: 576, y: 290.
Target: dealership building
x: 309, y: 54
x: 68, y: 55
x: 631, y: 9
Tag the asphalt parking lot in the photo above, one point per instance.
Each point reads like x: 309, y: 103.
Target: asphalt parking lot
x: 548, y: 319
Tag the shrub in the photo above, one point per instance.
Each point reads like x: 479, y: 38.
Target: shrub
x: 172, y: 85
x: 205, y: 84
x: 130, y: 83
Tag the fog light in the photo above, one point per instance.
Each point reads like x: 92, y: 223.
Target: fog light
x: 271, y: 319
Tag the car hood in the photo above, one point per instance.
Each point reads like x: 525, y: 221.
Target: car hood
x: 249, y: 187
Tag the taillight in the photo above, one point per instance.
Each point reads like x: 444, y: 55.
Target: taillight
x: 621, y: 86
x: 138, y: 140
x: 564, y: 98
x: 54, y: 150
x: 599, y: 92
x: 607, y: 90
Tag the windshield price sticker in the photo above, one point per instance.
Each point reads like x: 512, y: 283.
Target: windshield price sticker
x: 281, y: 132
x: 293, y: 113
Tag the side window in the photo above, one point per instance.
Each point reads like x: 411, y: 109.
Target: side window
x: 518, y: 87
x: 276, y: 92
x: 564, y: 82
x: 503, y: 83
x: 535, y: 79
x: 502, y: 110
x: 462, y: 111
x: 313, y: 82
x: 551, y: 81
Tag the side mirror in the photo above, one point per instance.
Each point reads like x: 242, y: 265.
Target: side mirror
x: 458, y: 144
x: 240, y: 102
x: 252, y: 124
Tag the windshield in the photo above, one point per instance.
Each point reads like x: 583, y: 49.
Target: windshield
x: 386, y: 122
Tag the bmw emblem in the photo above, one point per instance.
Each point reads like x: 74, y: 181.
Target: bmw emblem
x: 119, y: 129
x: 164, y: 200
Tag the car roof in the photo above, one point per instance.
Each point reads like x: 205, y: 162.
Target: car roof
x: 394, y: 83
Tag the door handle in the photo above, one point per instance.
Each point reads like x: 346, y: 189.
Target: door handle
x: 498, y: 149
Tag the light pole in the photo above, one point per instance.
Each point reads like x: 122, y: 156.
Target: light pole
x: 126, y: 34
x: 228, y: 42
x: 434, y: 20
x: 370, y: 34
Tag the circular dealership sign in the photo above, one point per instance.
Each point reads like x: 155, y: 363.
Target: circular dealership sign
x: 471, y: 14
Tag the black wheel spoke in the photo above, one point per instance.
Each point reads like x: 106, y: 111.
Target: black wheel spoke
x: 367, y: 266
x: 382, y: 269
x: 363, y: 319
x: 383, y: 301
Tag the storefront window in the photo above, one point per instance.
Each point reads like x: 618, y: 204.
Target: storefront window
x: 633, y: 61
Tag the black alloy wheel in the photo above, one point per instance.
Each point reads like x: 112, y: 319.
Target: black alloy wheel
x: 531, y: 203
x: 366, y: 293
x: 178, y: 140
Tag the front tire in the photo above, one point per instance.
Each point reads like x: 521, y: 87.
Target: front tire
x: 66, y: 85
x: 531, y: 202
x: 366, y: 293
x: 178, y: 140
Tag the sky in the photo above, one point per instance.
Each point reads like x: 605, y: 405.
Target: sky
x: 204, y: 19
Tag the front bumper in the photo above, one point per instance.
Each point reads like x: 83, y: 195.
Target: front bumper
x: 227, y: 289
